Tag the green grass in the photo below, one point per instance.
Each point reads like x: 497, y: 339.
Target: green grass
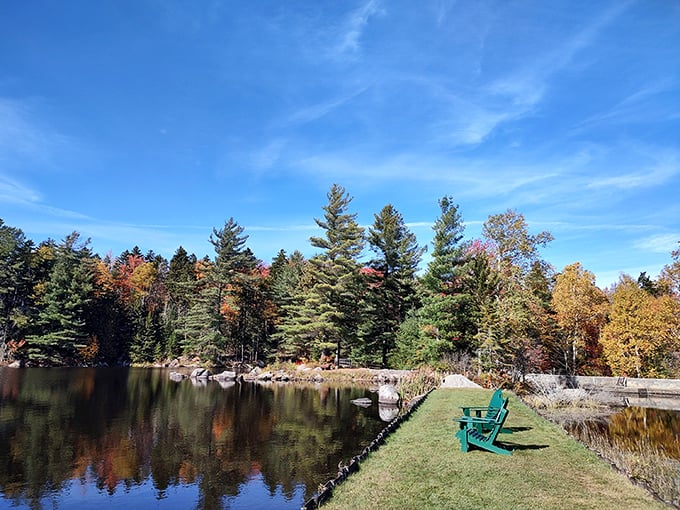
x: 421, y: 466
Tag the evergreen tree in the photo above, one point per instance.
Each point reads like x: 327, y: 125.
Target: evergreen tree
x: 180, y: 282
x: 214, y: 324
x: 325, y: 315
x: 391, y: 284
x: 67, y: 295
x: 15, y: 288
x: 444, y: 321
x: 285, y: 274
x: 448, y: 253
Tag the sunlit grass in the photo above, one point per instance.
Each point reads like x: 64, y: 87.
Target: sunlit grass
x: 421, y: 466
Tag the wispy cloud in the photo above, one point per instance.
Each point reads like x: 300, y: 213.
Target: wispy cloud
x: 20, y: 134
x: 636, y: 107
x: 481, y: 177
x: 353, y: 28
x: 659, y: 243
x: 659, y: 172
x: 281, y: 228
x: 477, y: 114
x: 314, y: 112
x: 14, y: 192
x: 268, y: 155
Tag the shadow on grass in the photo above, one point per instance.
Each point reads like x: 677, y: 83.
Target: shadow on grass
x: 516, y: 429
x: 516, y: 447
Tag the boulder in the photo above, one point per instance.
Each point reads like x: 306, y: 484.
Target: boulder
x: 388, y: 394
x: 281, y: 376
x: 362, y: 402
x: 227, y: 375
x: 200, y: 373
x: 176, y: 376
x: 265, y: 376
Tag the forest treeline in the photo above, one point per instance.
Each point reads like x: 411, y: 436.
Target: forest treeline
x: 490, y: 305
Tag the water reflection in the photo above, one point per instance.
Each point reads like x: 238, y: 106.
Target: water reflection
x: 632, y: 427
x: 85, y: 436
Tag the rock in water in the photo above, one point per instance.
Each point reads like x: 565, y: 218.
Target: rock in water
x: 362, y: 402
x: 200, y: 373
x: 388, y: 394
x: 227, y: 375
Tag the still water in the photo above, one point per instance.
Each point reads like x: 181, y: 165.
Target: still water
x: 132, y: 438
x: 635, y: 428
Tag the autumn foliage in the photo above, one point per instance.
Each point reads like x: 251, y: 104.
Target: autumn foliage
x: 490, y: 307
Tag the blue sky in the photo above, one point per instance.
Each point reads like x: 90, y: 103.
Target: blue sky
x: 149, y: 122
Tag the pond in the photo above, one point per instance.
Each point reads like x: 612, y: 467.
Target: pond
x: 132, y: 438
x: 633, y: 428
x: 643, y: 442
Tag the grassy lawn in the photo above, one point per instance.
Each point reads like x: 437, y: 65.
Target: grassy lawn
x: 421, y: 466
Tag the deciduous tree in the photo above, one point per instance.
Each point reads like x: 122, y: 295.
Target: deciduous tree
x: 643, y: 331
x: 512, y: 243
x: 581, y: 311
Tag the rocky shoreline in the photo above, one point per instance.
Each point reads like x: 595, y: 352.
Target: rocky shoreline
x: 301, y: 373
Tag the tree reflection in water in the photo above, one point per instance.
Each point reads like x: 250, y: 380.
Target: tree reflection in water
x: 83, y: 434
x: 636, y: 427
x: 642, y: 442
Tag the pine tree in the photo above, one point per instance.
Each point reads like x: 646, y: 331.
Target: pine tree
x: 15, y: 287
x: 180, y: 282
x: 67, y: 295
x: 391, y: 284
x: 448, y: 254
x: 325, y: 313
x: 215, y: 322
x: 445, y: 319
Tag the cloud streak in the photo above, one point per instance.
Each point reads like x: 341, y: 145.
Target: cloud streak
x: 477, y: 114
x: 349, y: 44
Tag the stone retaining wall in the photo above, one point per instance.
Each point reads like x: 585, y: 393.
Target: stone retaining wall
x: 669, y: 387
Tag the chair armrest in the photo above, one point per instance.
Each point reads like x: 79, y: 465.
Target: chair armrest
x: 473, y: 419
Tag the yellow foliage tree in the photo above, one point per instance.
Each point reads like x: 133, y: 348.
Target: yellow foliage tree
x: 643, y: 332
x: 581, y: 311
x: 142, y: 278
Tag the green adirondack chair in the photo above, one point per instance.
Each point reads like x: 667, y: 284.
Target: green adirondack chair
x: 494, y: 403
x: 469, y: 436
x: 472, y: 415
